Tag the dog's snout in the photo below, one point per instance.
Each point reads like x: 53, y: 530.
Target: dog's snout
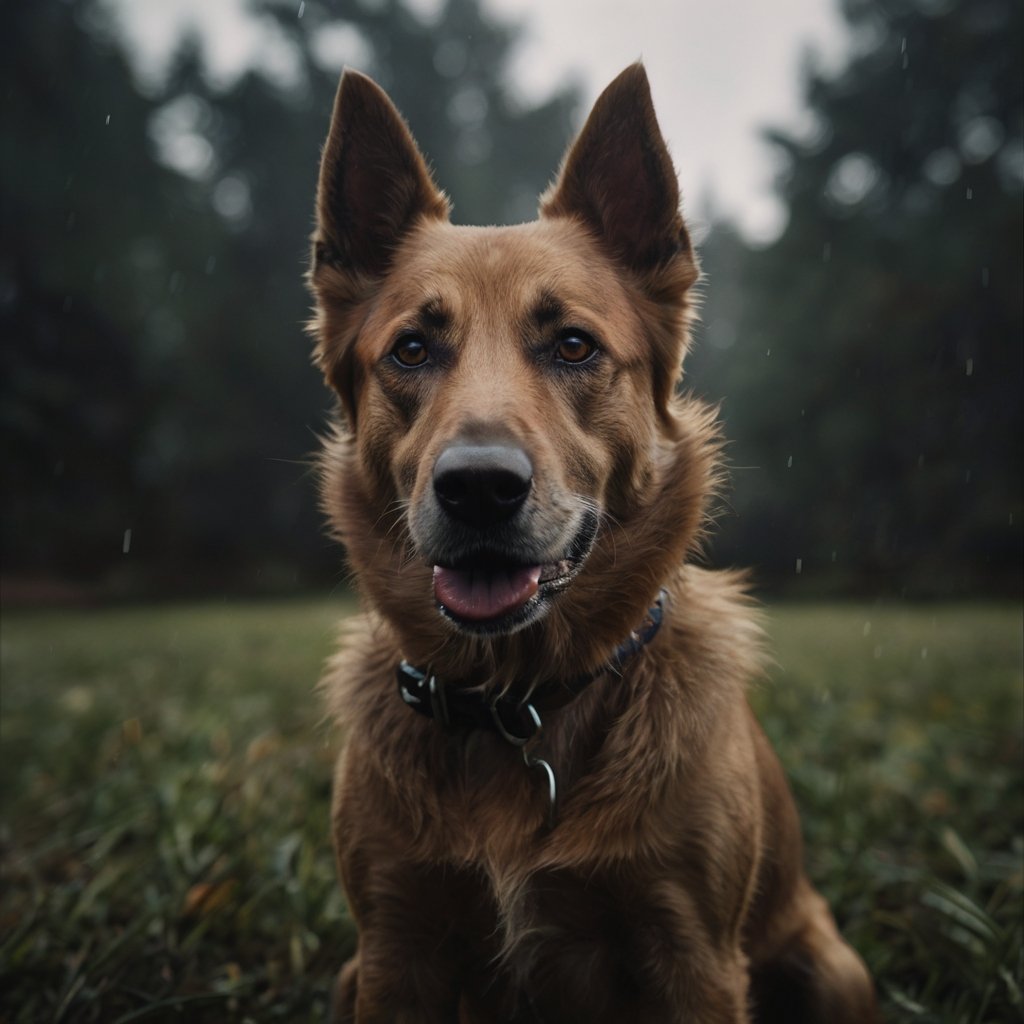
x: 482, y: 485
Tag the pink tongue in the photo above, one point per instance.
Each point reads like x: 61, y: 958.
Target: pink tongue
x: 472, y: 594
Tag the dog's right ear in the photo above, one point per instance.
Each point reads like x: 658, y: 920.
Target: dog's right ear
x: 374, y: 187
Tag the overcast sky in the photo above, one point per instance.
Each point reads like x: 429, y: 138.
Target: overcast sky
x: 720, y: 70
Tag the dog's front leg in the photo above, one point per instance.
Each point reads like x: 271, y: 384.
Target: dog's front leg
x: 343, y: 997
x: 386, y: 987
x: 411, y: 957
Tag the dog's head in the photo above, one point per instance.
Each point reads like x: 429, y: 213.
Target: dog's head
x: 513, y: 459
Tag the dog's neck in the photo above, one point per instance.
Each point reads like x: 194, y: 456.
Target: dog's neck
x: 514, y: 713
x: 512, y: 710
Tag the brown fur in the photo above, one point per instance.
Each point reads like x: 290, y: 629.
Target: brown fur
x: 671, y: 887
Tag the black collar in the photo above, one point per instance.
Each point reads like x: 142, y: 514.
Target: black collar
x: 514, y: 718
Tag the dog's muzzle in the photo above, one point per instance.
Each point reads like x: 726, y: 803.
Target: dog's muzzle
x: 494, y: 566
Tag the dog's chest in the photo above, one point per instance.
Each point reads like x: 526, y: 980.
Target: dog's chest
x: 574, y: 946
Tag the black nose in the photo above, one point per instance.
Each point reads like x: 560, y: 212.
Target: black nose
x: 482, y: 485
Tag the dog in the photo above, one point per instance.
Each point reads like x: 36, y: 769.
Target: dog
x: 554, y: 804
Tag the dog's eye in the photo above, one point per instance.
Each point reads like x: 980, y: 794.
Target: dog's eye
x: 575, y: 347
x: 410, y: 350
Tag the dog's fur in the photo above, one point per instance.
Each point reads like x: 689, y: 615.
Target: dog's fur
x: 670, y: 888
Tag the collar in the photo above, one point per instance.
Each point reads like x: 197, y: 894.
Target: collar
x: 515, y: 719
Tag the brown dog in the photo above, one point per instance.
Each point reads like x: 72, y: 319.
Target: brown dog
x: 548, y: 808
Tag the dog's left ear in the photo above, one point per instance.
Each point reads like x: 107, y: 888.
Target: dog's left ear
x: 619, y: 181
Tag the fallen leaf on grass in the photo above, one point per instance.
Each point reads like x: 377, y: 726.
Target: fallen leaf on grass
x: 205, y: 898
x: 263, y: 746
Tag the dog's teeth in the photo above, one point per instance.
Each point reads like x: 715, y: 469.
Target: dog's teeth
x: 556, y: 571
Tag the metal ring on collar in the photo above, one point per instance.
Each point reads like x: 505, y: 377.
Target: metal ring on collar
x: 507, y: 734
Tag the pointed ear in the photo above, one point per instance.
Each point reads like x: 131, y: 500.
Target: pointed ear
x: 374, y: 188
x: 618, y: 179
x: 374, y: 184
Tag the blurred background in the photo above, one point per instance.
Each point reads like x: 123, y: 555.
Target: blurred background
x: 854, y: 174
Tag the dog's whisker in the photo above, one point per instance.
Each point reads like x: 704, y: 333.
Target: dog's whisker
x: 397, y: 509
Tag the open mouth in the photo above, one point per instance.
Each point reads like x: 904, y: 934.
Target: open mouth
x: 487, y: 594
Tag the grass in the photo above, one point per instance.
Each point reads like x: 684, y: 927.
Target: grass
x: 165, y: 792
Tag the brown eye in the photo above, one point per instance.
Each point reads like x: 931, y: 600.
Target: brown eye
x: 410, y: 350
x: 575, y: 347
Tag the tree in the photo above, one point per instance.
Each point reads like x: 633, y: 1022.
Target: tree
x: 85, y: 228
x: 875, y: 382
x: 190, y: 212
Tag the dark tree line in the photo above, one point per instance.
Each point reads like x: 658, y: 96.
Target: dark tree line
x: 870, y: 359
x: 156, y: 372
x: 156, y: 375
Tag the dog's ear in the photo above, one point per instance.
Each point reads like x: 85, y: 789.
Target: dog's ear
x: 618, y: 178
x: 374, y: 183
x: 374, y: 188
x: 619, y: 181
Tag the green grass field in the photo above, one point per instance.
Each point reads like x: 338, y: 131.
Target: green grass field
x: 165, y: 784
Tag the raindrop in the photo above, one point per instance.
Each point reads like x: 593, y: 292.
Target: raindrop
x: 970, y: 193
x: 302, y: 8
x: 126, y: 544
x: 799, y: 566
x: 924, y: 652
x: 867, y: 629
x: 878, y: 651
x: 970, y: 367
x: 834, y: 553
x: 789, y: 462
x: 107, y: 121
x: 967, y: 477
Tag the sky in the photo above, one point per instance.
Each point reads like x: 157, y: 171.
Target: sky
x: 720, y: 71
